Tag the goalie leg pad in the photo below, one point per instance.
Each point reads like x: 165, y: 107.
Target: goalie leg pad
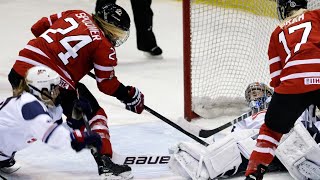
x: 193, y: 167
x: 187, y: 161
x: 222, y: 156
x: 199, y: 162
x: 309, y: 169
x: 295, y: 149
x: 247, y: 145
x: 177, y: 168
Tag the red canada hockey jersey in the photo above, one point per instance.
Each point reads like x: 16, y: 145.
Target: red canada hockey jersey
x: 71, y: 44
x: 294, y: 54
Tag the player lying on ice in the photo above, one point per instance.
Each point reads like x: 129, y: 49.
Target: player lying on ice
x: 73, y: 43
x: 229, y: 156
x: 31, y: 115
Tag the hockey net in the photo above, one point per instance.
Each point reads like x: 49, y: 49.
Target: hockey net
x: 225, y: 49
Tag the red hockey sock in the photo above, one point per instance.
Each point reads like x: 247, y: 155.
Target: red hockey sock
x: 98, y: 124
x: 263, y: 153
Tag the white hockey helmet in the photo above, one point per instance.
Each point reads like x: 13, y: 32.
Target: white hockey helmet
x: 40, y: 78
x: 258, y: 95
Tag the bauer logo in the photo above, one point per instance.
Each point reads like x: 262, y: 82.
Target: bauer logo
x: 308, y: 81
x: 130, y: 160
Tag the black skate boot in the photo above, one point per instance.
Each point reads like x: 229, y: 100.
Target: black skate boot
x: 154, y: 53
x: 111, y: 171
x: 258, y: 175
x: 9, y: 166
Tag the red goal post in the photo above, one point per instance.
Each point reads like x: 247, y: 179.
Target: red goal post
x: 225, y: 45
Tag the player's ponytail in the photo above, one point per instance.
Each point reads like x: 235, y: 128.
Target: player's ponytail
x: 116, y: 35
x: 23, y: 87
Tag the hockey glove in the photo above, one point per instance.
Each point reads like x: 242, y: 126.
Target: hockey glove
x: 135, y: 102
x: 75, y: 123
x: 80, y: 106
x: 80, y: 140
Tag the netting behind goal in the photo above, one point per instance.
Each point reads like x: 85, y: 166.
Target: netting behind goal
x: 225, y: 49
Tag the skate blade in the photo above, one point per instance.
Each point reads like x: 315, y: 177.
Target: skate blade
x: 10, y: 170
x: 122, y: 176
x: 155, y: 57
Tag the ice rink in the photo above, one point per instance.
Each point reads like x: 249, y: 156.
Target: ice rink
x: 161, y: 81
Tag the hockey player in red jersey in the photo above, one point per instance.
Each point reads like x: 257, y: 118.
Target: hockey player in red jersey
x: 295, y: 76
x: 73, y: 43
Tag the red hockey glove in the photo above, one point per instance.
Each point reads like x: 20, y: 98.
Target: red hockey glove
x: 135, y: 102
x: 80, y: 140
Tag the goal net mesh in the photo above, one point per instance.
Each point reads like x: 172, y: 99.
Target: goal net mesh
x: 229, y: 44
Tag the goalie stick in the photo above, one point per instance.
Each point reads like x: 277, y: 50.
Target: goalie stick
x: 207, y: 133
x: 3, y: 178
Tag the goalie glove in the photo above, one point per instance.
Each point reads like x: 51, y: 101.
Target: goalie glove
x: 80, y: 140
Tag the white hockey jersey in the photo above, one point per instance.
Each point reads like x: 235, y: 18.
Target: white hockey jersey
x: 25, y: 119
x: 255, y: 121
x: 252, y: 122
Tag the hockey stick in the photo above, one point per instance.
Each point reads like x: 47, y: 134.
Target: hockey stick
x: 140, y: 160
x: 207, y: 133
x: 94, y: 150
x: 201, y: 132
x: 132, y: 160
x: 179, y: 128
x: 3, y: 178
x: 151, y: 111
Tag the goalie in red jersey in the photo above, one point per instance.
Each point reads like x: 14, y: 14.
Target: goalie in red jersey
x: 294, y: 61
x: 73, y: 43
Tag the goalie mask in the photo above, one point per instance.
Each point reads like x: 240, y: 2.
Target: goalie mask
x: 258, y: 95
x: 284, y: 7
x: 114, y: 20
x: 41, y: 81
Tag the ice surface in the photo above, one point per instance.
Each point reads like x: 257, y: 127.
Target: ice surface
x: 161, y: 81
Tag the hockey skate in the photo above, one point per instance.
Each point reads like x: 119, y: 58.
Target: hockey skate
x: 309, y: 169
x: 258, y: 175
x: 9, y: 166
x: 154, y: 53
x: 111, y: 171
